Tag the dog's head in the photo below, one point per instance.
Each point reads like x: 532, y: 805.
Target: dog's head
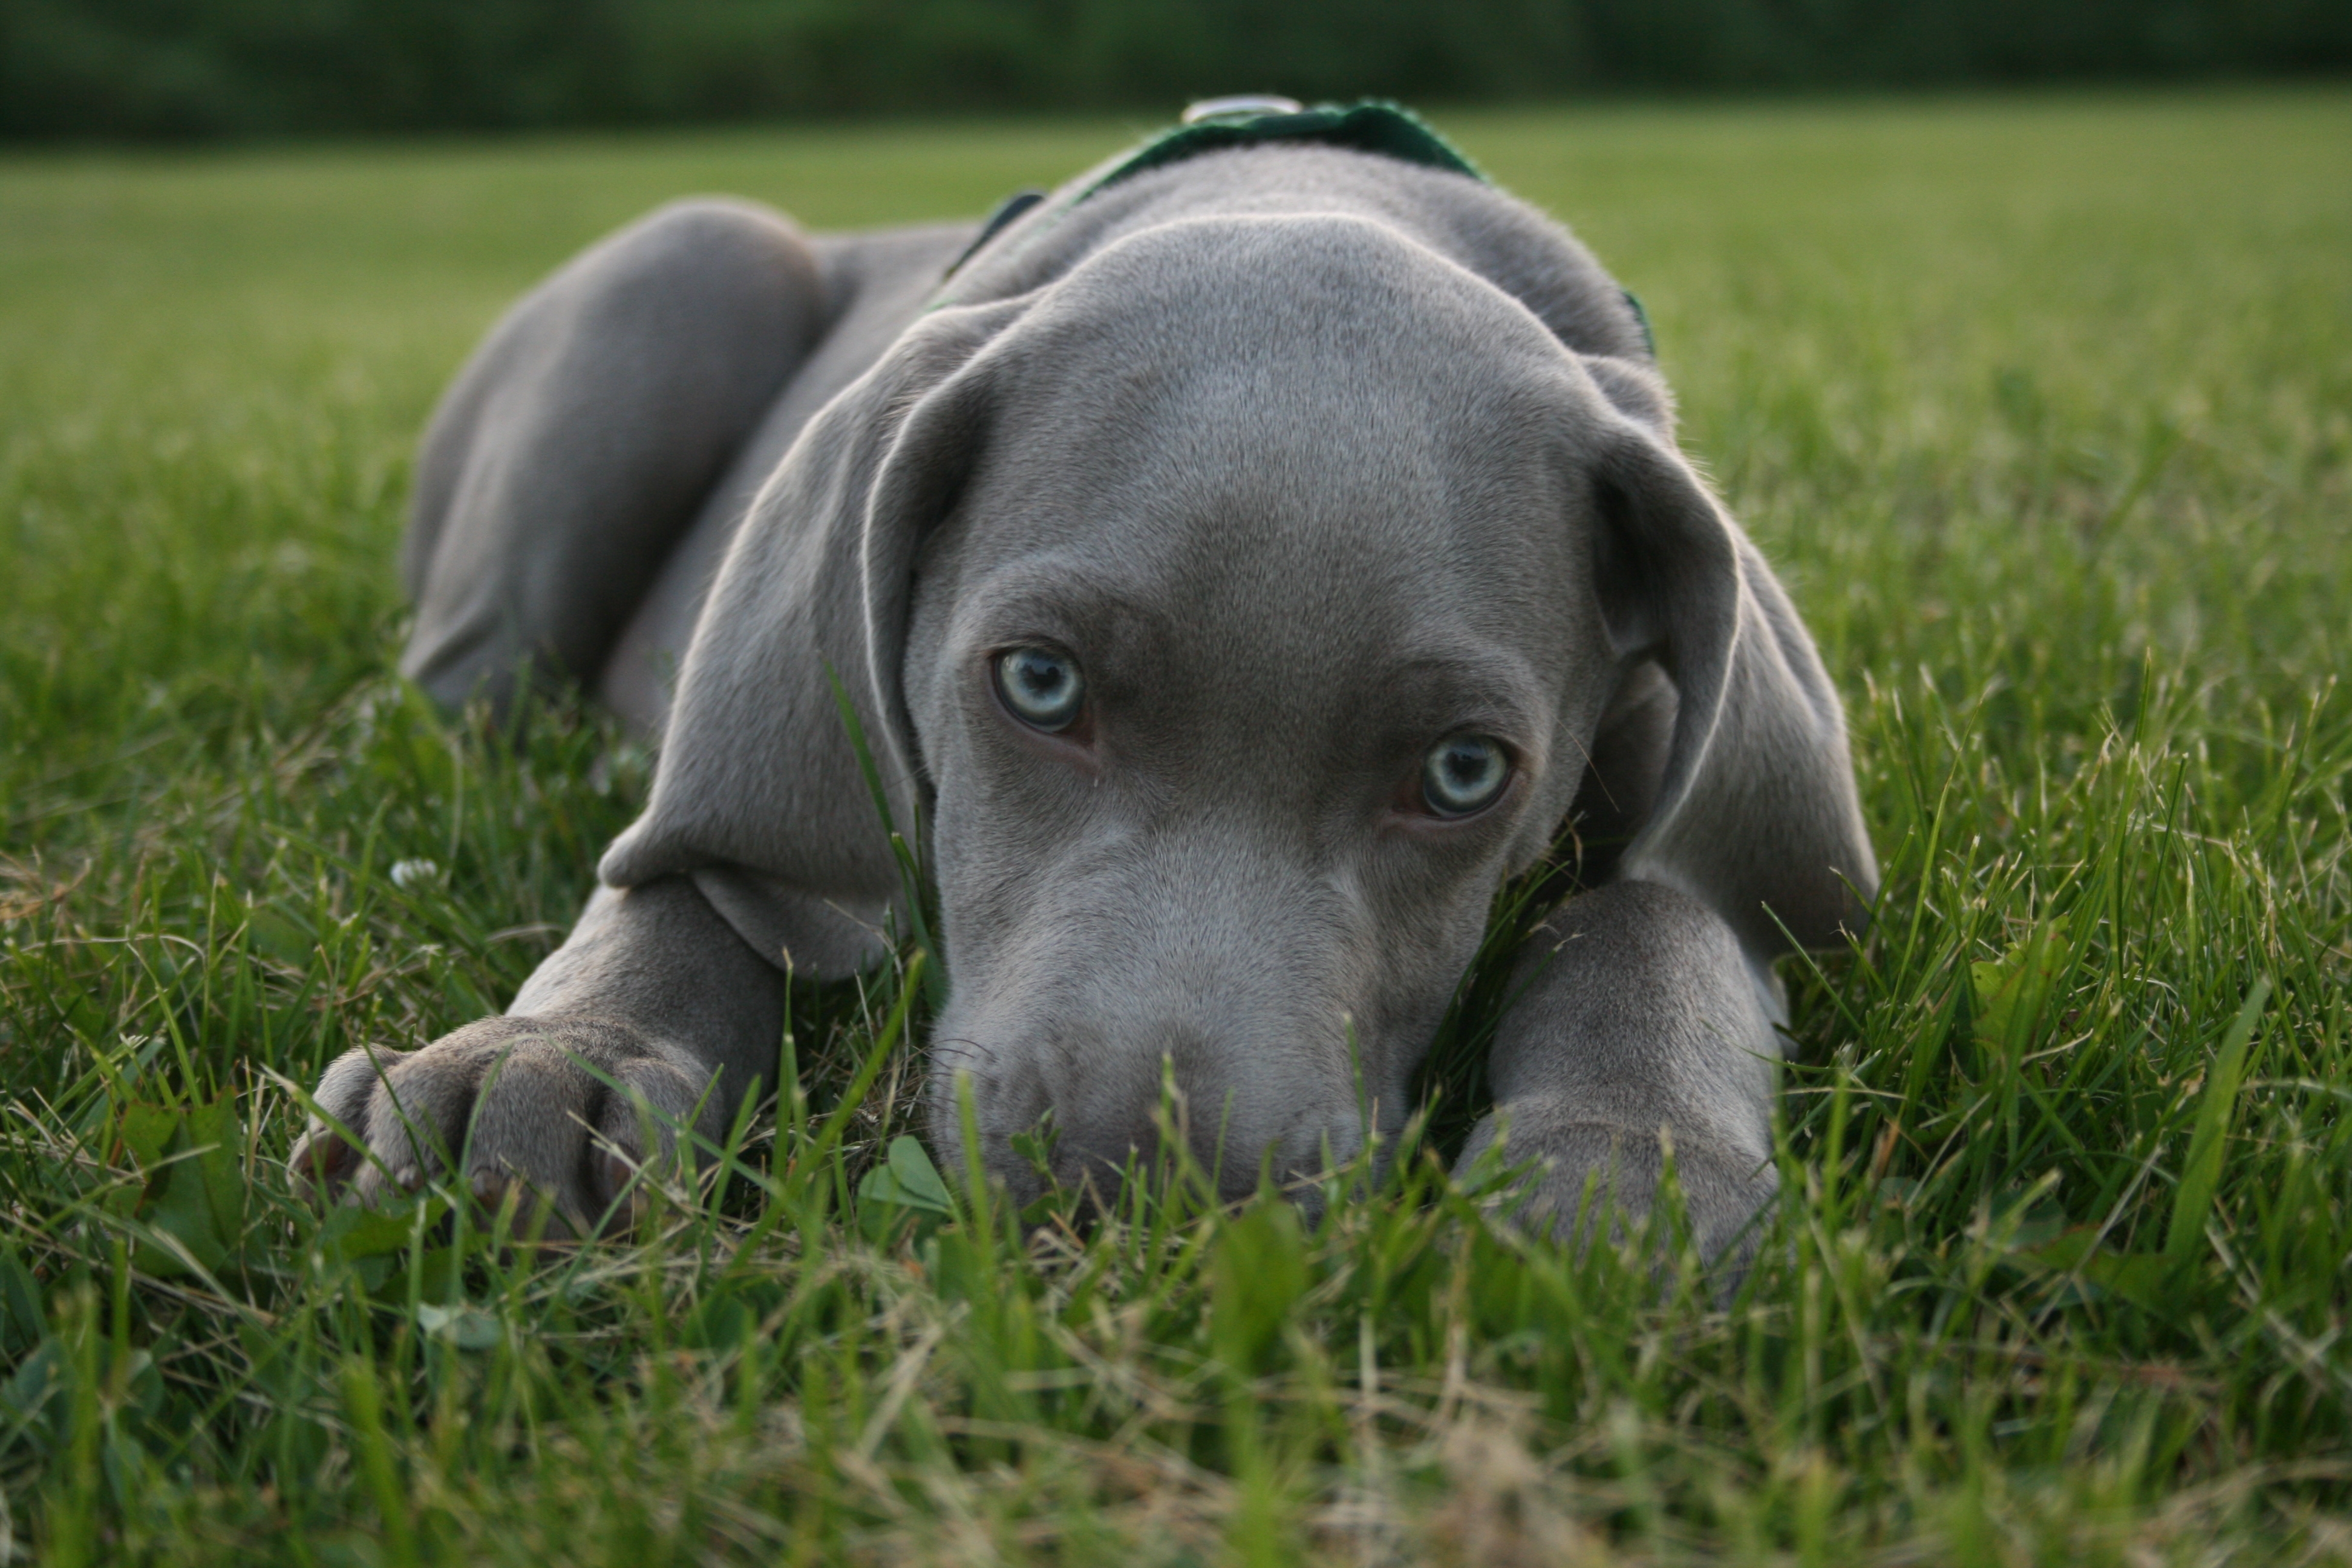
x: 1239, y: 612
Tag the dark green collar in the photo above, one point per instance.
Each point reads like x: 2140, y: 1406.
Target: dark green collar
x: 1371, y: 126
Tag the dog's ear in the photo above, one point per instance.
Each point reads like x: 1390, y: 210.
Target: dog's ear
x: 1755, y: 813
x: 759, y: 793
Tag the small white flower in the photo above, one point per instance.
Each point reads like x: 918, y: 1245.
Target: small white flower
x: 407, y: 874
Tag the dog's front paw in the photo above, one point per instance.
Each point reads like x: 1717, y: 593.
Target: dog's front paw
x: 560, y: 1113
x: 1589, y: 1174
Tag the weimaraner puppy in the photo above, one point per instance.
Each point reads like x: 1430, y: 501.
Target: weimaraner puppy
x: 1241, y: 562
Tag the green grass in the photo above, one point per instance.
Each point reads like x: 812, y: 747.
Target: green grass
x: 2044, y: 406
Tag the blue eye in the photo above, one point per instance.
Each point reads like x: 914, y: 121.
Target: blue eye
x: 1463, y: 774
x: 1043, y: 687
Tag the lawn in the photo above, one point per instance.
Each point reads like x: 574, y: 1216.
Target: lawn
x: 2041, y: 406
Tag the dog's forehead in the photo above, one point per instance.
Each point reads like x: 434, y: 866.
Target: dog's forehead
x: 1242, y: 324
x: 1315, y: 419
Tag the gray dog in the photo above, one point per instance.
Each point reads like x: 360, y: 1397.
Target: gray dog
x: 1241, y: 560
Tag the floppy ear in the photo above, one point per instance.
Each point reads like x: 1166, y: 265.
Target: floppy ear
x: 1756, y: 814
x: 759, y: 794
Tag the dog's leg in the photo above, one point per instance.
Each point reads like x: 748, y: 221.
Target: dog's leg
x: 654, y: 1017
x: 577, y: 445
x: 1638, y: 1020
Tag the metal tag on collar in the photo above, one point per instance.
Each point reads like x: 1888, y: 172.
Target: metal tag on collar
x: 1241, y: 106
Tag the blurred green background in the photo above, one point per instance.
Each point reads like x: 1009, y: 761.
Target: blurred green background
x: 183, y: 69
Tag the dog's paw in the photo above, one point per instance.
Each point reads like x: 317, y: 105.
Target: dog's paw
x: 557, y: 1114
x: 1593, y: 1178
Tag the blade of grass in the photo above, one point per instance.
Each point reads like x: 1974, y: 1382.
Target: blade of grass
x: 2201, y: 1173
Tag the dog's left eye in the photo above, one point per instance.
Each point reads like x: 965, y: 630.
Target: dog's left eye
x: 1043, y: 687
x: 1463, y: 774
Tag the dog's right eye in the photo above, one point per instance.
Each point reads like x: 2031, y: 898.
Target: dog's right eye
x: 1043, y: 687
x: 1463, y: 774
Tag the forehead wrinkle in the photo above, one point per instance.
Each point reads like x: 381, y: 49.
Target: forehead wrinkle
x: 1343, y: 579
x: 1317, y: 482
x: 1107, y: 618
x: 1295, y: 336
x: 1279, y: 426
x: 1467, y: 681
